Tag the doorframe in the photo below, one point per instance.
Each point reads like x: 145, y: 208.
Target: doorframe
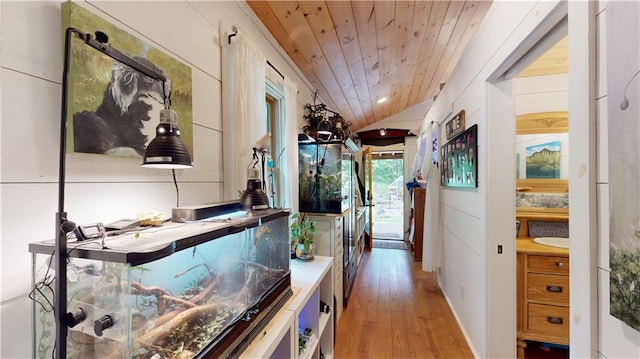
x: 381, y: 151
x: 583, y: 221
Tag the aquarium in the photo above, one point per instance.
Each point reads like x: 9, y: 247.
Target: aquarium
x: 325, y: 177
x: 180, y: 290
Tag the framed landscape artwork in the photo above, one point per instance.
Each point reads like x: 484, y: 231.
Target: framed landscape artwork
x: 459, y: 164
x: 543, y: 160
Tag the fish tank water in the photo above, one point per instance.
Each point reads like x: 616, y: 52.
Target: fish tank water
x: 182, y: 290
x: 325, y: 177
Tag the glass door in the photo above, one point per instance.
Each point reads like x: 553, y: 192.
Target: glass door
x: 388, y: 190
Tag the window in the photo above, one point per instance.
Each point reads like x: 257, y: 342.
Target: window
x: 274, y: 107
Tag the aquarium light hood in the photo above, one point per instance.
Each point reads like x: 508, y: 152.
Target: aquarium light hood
x: 199, y: 212
x: 351, y: 145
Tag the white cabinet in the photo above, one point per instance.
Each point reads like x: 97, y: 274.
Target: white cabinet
x: 311, y: 282
x: 314, y: 280
x: 329, y: 241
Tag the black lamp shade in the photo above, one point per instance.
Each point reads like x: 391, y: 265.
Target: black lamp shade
x: 254, y: 198
x: 167, y: 150
x: 325, y: 130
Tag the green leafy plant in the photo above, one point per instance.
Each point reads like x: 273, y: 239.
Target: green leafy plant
x: 302, y: 231
x: 625, y: 282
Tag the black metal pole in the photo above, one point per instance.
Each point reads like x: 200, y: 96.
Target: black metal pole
x: 60, y: 295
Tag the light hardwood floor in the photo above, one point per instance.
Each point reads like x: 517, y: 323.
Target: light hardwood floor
x: 397, y: 311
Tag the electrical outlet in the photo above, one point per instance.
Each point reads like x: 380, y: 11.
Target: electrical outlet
x: 462, y: 290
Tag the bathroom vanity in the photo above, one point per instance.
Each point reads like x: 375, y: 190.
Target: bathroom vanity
x: 542, y: 294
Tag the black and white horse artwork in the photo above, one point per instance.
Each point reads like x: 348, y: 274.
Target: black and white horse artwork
x: 121, y: 125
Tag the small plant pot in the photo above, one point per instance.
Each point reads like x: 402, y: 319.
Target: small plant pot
x: 304, y: 255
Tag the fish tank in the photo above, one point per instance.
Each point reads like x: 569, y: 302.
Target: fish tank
x: 201, y: 289
x: 325, y: 177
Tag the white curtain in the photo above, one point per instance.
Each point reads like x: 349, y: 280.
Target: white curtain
x: 289, y: 166
x: 418, y: 160
x: 432, y: 241
x: 244, y: 117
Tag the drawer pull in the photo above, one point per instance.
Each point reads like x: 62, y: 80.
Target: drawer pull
x: 554, y: 320
x: 554, y: 289
x: 560, y: 264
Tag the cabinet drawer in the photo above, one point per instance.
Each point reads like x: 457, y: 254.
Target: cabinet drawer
x: 338, y: 254
x: 548, y: 264
x: 548, y: 320
x: 548, y: 288
x: 338, y: 234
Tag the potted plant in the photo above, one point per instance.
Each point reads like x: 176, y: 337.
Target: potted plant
x: 302, y: 232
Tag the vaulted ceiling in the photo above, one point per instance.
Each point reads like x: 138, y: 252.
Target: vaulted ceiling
x: 357, y: 52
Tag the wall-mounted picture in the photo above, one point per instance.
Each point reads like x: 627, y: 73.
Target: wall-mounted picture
x: 543, y: 160
x: 459, y: 164
x: 434, y: 145
x: 112, y: 108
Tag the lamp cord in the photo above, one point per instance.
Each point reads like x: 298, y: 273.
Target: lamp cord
x: 175, y: 182
x: 629, y: 83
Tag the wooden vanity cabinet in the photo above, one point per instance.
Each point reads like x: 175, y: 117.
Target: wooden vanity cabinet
x: 542, y: 296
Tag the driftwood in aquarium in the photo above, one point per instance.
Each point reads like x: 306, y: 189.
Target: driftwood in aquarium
x: 246, y: 289
x: 158, y: 334
x: 186, y: 322
x: 205, y: 292
x: 138, y: 288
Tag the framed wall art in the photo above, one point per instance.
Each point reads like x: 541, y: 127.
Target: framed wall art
x: 112, y: 108
x: 455, y: 125
x: 543, y: 160
x: 459, y: 160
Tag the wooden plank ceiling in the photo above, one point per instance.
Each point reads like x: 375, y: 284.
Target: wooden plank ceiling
x: 356, y: 52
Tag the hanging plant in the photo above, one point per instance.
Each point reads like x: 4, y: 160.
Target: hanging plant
x: 313, y: 114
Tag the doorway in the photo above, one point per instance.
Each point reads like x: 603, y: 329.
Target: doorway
x: 388, y: 187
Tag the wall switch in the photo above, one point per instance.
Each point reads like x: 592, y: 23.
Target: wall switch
x: 499, y: 248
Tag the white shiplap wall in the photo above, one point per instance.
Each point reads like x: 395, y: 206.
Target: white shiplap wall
x: 615, y: 338
x: 479, y: 283
x: 100, y: 188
